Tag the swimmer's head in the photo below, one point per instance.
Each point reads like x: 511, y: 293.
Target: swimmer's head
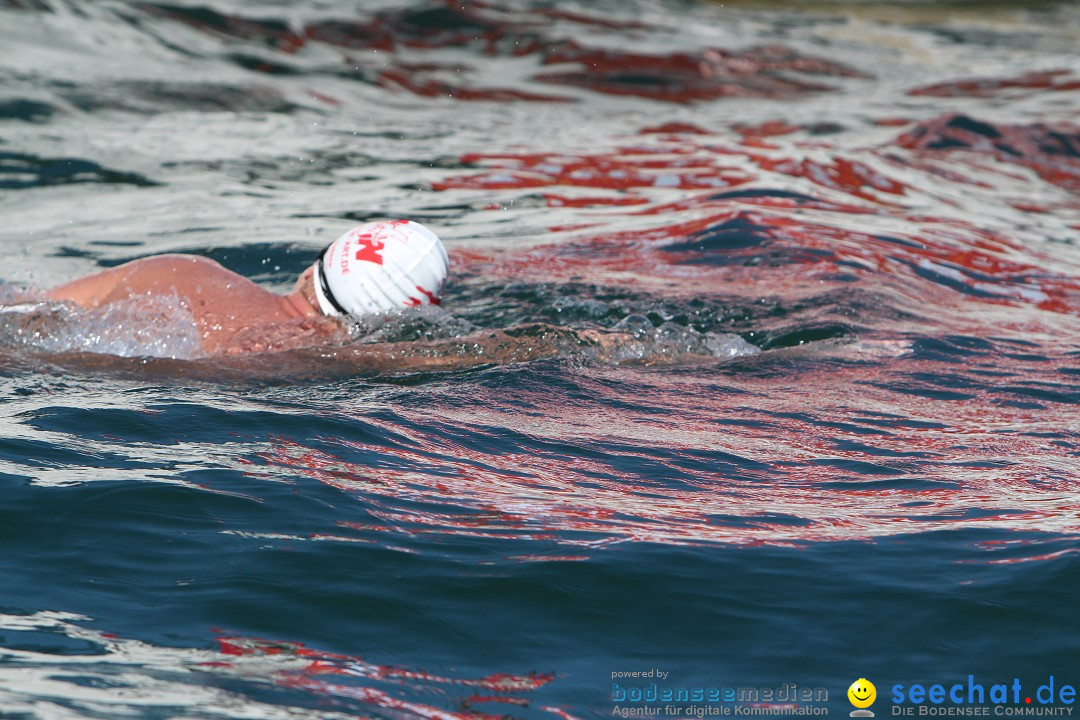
x: 379, y: 267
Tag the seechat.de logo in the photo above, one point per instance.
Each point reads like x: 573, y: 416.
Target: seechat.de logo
x: 862, y: 695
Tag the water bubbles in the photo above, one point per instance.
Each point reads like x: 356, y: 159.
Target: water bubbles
x: 574, y: 307
x: 637, y: 325
x: 726, y: 345
x: 427, y: 322
x: 142, y: 327
x: 634, y: 339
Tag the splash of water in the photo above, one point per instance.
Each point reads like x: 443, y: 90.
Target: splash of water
x: 148, y: 327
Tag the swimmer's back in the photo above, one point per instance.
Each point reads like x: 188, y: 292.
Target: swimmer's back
x: 222, y: 302
x: 188, y: 276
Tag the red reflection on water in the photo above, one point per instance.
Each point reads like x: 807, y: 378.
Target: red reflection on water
x: 1054, y: 153
x: 851, y: 176
x: 414, y: 81
x: 688, y: 77
x: 799, y: 205
x: 275, y: 33
x: 492, y: 30
x: 1056, y: 80
x: 765, y: 129
x: 626, y: 169
x: 841, y: 441
x: 495, y: 29
x: 591, y: 201
x: 887, y: 449
x: 675, y: 127
x: 311, y: 672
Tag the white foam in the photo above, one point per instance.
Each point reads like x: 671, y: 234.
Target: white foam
x: 140, y: 327
x: 672, y: 343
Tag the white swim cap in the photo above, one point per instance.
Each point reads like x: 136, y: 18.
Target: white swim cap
x: 379, y: 267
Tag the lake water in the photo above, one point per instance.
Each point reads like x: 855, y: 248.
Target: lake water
x: 884, y: 199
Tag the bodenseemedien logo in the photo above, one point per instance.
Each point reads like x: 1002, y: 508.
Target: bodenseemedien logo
x: 659, y: 697
x: 862, y: 694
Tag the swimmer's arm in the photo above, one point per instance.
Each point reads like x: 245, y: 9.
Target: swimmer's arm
x: 532, y: 342
x: 488, y: 347
x: 522, y: 344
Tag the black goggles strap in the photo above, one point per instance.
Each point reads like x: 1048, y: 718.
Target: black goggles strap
x: 325, y: 285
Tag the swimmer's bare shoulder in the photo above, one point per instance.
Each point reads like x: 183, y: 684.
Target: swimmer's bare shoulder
x: 144, y: 275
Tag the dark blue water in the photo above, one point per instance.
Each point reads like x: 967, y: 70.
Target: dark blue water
x: 881, y: 199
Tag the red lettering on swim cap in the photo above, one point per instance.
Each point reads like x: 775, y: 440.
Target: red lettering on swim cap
x: 430, y: 295
x: 344, y: 261
x: 370, y: 248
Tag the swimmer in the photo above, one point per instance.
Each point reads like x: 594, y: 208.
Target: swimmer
x: 374, y: 268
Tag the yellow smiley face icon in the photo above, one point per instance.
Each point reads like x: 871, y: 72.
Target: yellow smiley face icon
x: 862, y: 693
